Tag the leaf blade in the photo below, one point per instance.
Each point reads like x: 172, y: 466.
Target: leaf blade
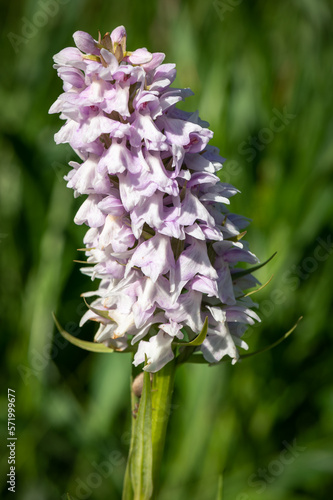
x: 198, y: 340
x: 199, y: 359
x: 240, y: 274
x: 83, y: 344
x: 99, y: 312
x: 277, y: 342
x: 257, y: 289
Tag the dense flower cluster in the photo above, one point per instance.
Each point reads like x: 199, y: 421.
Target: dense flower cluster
x: 160, y: 237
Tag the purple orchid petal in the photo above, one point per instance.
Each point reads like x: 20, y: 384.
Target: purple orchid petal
x: 85, y: 179
x: 118, y: 35
x: 117, y: 159
x: 224, y: 283
x: 187, y: 310
x: 117, y: 234
x: 85, y: 42
x: 173, y: 329
x: 89, y: 213
x: 192, y: 210
x: 143, y: 330
x: 140, y: 56
x: 111, y: 205
x: 204, y: 285
x: 70, y: 57
x: 194, y: 260
x: 162, y: 77
x: 111, y: 62
x: 156, y: 60
x: 154, y: 257
x: 146, y: 128
x: 72, y: 76
x: 158, y: 351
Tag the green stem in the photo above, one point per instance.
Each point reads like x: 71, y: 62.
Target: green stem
x: 128, y: 493
x: 162, y: 388
x: 161, y: 394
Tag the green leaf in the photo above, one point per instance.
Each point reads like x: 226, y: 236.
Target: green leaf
x: 198, y: 339
x: 84, y: 344
x: 69, y: 497
x: 238, y: 237
x: 99, y: 312
x: 197, y: 358
x: 240, y: 274
x: 257, y: 289
x: 141, y: 457
x: 277, y: 342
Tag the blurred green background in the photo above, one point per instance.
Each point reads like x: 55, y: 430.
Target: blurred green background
x: 247, y: 62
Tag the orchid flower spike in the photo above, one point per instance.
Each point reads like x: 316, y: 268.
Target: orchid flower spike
x: 160, y: 237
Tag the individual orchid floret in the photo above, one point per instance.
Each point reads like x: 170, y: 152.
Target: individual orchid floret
x: 161, y: 239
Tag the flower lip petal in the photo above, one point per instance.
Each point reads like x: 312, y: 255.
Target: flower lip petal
x: 70, y: 56
x: 154, y: 257
x: 140, y: 56
x: 158, y: 351
x: 156, y: 60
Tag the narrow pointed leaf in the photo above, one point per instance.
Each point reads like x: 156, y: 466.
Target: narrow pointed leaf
x: 239, y: 274
x: 277, y: 342
x: 257, y: 289
x: 91, y: 57
x: 141, y: 457
x: 99, y: 312
x: 83, y: 344
x: 199, y: 359
x: 198, y: 339
x: 238, y: 237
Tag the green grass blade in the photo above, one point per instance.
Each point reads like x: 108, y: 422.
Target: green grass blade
x: 277, y: 342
